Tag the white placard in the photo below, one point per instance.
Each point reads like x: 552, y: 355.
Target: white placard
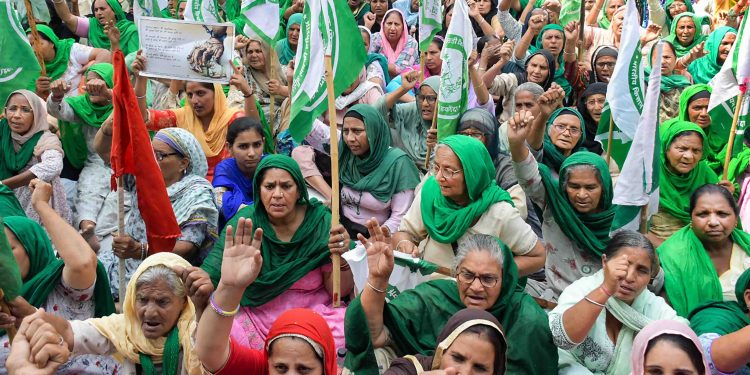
x: 187, y: 50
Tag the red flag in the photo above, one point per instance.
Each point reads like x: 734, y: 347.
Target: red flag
x: 132, y: 154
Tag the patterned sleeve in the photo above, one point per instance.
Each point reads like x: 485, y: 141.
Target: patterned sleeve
x: 61, y: 110
x: 707, y: 341
x: 158, y: 120
x: 509, y: 24
x: 195, y: 233
x: 408, y: 56
x: 559, y: 336
x: 50, y: 166
x: 530, y: 180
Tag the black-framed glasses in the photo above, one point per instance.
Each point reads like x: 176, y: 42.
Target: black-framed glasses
x: 605, y: 65
x: 160, y: 156
x: 487, y: 281
x: 429, y: 98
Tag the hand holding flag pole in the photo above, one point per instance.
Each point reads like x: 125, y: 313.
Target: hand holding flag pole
x: 35, y: 34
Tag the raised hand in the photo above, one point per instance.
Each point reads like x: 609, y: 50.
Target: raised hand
x: 536, y: 23
x: 519, y: 127
x: 571, y: 32
x: 113, y: 33
x: 139, y: 63
x: 59, y: 88
x: 240, y: 42
x: 97, y: 87
x: 242, y: 259
x: 653, y: 31
x: 506, y: 50
x: 615, y: 270
x: 380, y: 259
x: 472, y: 58
x: 551, y: 99
x: 197, y: 283
x: 43, y: 84
x: 409, y: 80
x: 369, y: 20
x: 41, y: 191
x: 239, y: 81
x: 338, y: 241
x: 698, y: 51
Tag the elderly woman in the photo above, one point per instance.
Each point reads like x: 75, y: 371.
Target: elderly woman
x: 286, y: 48
x: 462, y: 198
x: 603, y: 12
x: 685, y: 34
x: 64, y: 58
x: 577, y: 209
x: 486, y: 279
x: 394, y: 42
x: 183, y: 167
x: 712, y: 252
x: 268, y: 84
x: 29, y: 151
x: 469, y: 333
x: 668, y: 347
x: 598, y: 316
x: 552, y: 39
x: 155, y: 332
x: 92, y: 28
x: 718, y: 45
x: 296, y: 247
x: 72, y: 287
x: 590, y: 106
x: 694, y: 108
x: 672, y: 83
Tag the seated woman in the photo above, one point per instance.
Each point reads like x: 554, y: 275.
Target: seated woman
x: 694, y: 108
x: 460, y: 199
x: 487, y: 279
x: 577, y: 209
x: 377, y: 180
x: 711, y: 252
x: 286, y: 48
x: 29, y: 151
x: 296, y: 247
x: 685, y: 34
x: 233, y: 179
x: 205, y: 114
x: 361, y: 91
x: 590, y: 106
x: 64, y: 59
x: 723, y: 328
x: 183, y: 168
x: 551, y: 38
x: 668, y: 347
x: 598, y: 316
x: 672, y: 83
x: 154, y: 334
x: 72, y: 287
x: 471, y: 341
x: 92, y: 27
x: 394, y: 42
x: 718, y: 45
x: 267, y: 87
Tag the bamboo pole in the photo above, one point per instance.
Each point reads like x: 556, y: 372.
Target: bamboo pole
x: 6, y: 309
x: 274, y: 75
x: 121, y: 232
x: 35, y: 34
x: 611, y: 134
x: 335, y: 195
x: 429, y: 149
x: 421, y: 66
x: 732, y: 134
x: 644, y: 219
x: 581, y: 26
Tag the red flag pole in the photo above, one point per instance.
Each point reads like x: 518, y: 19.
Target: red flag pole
x: 121, y: 232
x: 336, y: 259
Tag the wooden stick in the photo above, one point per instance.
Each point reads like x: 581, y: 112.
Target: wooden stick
x: 35, y: 34
x: 581, y: 26
x: 121, y: 232
x: 334, y: 177
x: 644, y: 219
x: 4, y: 308
x: 611, y: 134
x: 274, y: 75
x: 732, y: 134
x: 421, y: 67
x: 429, y: 149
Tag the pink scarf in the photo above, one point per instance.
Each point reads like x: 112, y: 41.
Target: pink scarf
x: 385, y: 48
x: 653, y: 330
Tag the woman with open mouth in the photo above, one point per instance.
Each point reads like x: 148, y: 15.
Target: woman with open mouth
x: 92, y: 28
x: 393, y: 41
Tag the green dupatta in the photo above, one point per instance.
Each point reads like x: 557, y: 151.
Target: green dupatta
x: 57, y: 67
x: 689, y: 275
x: 602, y: 19
x: 12, y: 161
x: 385, y: 170
x: 668, y: 82
x: 9, y: 204
x: 706, y: 67
x: 589, y: 231
x: 552, y: 157
x: 675, y: 189
x: 90, y: 114
x: 283, y: 50
x: 447, y: 221
x: 283, y: 262
x: 679, y: 49
x: 415, y: 318
x: 559, y: 77
x: 128, y: 31
x: 716, y: 141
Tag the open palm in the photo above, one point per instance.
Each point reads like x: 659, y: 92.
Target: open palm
x: 379, y: 252
x: 242, y: 260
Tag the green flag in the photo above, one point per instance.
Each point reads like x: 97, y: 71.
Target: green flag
x: 430, y: 22
x: 10, y: 277
x: 261, y: 19
x: 570, y: 11
x: 19, y: 67
x: 328, y: 29
x: 453, y: 95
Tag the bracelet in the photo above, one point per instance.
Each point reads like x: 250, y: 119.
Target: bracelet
x: 221, y: 312
x: 570, y: 53
x: 143, y: 251
x: 605, y: 291
x: 248, y: 95
x: 140, y: 97
x: 345, y: 267
x: 398, y: 244
x: 374, y: 288
x: 594, y: 302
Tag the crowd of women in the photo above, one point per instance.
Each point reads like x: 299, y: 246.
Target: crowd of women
x: 514, y: 211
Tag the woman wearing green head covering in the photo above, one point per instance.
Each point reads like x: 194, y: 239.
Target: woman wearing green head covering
x: 672, y: 83
x: 286, y: 48
x: 551, y: 38
x: 711, y: 252
x: 685, y: 33
x: 722, y: 327
x: 462, y: 198
x: 577, y: 207
x: 64, y: 58
x: 718, y: 45
x: 694, y: 108
x: 296, y: 247
x: 75, y: 286
x: 92, y: 28
x: 80, y: 117
x: 603, y: 11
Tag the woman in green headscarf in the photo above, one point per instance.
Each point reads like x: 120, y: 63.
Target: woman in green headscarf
x: 685, y: 33
x: 75, y: 286
x: 718, y: 45
x: 80, y: 117
x: 551, y: 38
x: 694, y: 108
x: 286, y: 48
x: 296, y: 247
x: 722, y: 327
x: 607, y: 10
x: 486, y: 279
x: 672, y: 83
x: 92, y: 28
x: 711, y: 252
x: 577, y: 208
x: 462, y: 198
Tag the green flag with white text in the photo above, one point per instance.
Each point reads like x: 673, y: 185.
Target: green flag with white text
x: 453, y: 95
x: 19, y: 67
x: 430, y: 22
x: 328, y: 29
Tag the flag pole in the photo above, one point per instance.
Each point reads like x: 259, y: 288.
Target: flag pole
x: 272, y: 108
x: 429, y: 149
x: 644, y: 219
x: 582, y: 23
x: 5, y: 309
x: 336, y: 258
x: 609, y: 140
x: 121, y: 232
x: 421, y: 66
x: 35, y: 34
x: 732, y: 134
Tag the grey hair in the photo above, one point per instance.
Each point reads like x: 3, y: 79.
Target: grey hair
x: 532, y: 88
x: 161, y: 272
x: 477, y: 242
x: 580, y: 167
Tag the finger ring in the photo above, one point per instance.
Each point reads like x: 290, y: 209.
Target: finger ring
x: 62, y: 341
x: 342, y: 237
x: 341, y: 244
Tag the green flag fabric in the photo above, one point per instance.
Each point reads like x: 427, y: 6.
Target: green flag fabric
x: 261, y: 19
x: 19, y: 67
x: 453, y: 96
x: 430, y: 22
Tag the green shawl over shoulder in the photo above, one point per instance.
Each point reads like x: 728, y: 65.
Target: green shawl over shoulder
x: 706, y: 67
x: 675, y: 189
x: 283, y: 50
x: 668, y: 82
x: 385, y: 170
x: 589, y: 231
x: 45, y: 271
x: 283, y: 262
x: 552, y: 157
x: 415, y: 318
x: 12, y: 161
x: 59, y: 64
x: 690, y: 278
x: 679, y: 49
x: 90, y: 114
x: 559, y: 77
x: 447, y: 221
x: 128, y: 31
x: 9, y: 204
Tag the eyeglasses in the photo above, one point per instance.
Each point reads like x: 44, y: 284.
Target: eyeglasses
x: 447, y: 172
x: 475, y: 135
x: 16, y: 108
x: 160, y: 156
x: 562, y: 128
x: 607, y: 65
x: 487, y: 281
x: 591, y: 102
x: 429, y: 98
